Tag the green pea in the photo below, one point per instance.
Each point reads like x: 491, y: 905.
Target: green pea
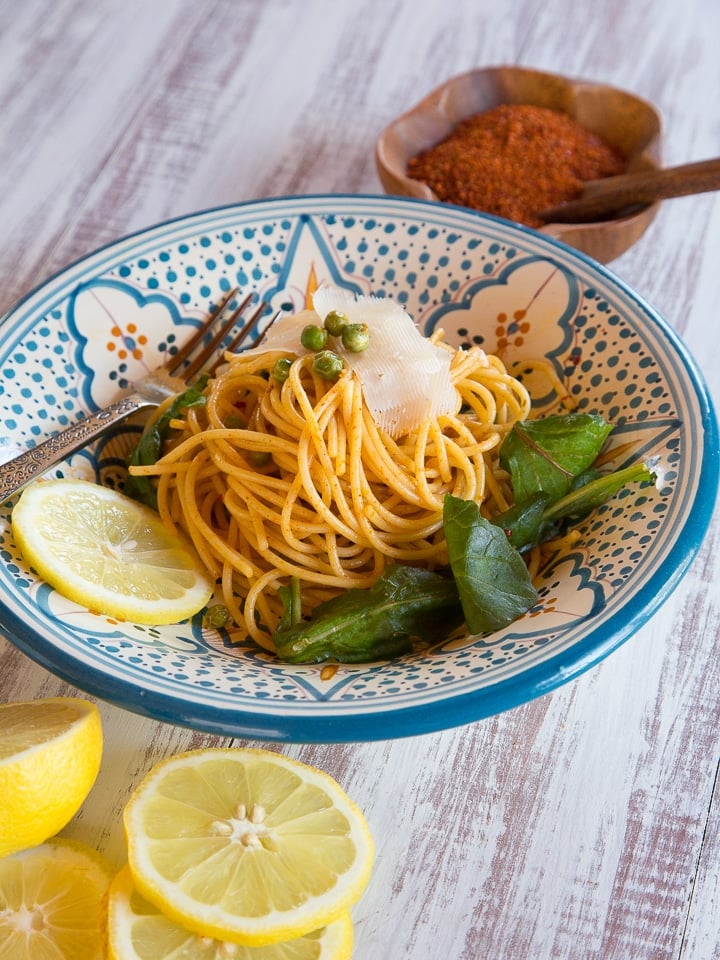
x: 281, y: 370
x: 314, y: 337
x: 259, y: 458
x: 216, y: 616
x: 334, y: 323
x: 235, y: 422
x: 328, y: 365
x: 356, y: 337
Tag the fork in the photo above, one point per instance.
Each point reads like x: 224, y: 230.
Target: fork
x: 149, y: 391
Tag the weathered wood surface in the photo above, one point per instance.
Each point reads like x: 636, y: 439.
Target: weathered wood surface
x: 585, y: 824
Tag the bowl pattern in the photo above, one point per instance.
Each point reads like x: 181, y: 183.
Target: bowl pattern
x: 87, y: 333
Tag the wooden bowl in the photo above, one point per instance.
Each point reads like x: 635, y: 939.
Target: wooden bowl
x: 625, y: 121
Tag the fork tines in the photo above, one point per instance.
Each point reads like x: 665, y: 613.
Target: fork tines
x: 214, y: 346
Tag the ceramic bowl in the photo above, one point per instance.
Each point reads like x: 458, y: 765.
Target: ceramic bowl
x: 623, y: 120
x: 85, y: 335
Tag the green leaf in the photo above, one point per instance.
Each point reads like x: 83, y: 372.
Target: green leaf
x: 529, y: 524
x: 545, y: 456
x: 361, y: 625
x: 491, y: 576
x: 292, y: 605
x: 579, y: 502
x: 150, y: 446
x: 524, y: 523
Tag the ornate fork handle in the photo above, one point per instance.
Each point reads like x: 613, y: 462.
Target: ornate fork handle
x: 28, y: 465
x: 150, y: 391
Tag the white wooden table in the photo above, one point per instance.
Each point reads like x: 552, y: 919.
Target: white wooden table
x: 585, y: 824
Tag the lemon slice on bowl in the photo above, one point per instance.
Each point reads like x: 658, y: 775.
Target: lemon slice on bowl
x: 106, y: 552
x: 137, y: 930
x: 53, y: 903
x: 246, y: 845
x: 50, y: 752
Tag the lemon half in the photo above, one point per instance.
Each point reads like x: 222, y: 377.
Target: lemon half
x: 246, y: 845
x: 53, y: 902
x: 106, y: 552
x: 137, y: 930
x: 50, y: 752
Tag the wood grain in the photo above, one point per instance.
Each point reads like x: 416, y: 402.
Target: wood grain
x: 585, y: 824
x: 614, y: 195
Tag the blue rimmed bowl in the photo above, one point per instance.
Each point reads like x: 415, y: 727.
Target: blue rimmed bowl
x: 73, y: 343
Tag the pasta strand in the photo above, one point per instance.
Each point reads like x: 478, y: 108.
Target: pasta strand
x: 271, y: 481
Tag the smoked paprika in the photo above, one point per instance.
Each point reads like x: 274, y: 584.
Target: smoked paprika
x: 515, y: 160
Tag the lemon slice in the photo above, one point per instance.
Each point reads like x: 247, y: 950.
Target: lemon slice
x: 103, y: 550
x: 53, y: 903
x: 246, y: 845
x: 50, y: 753
x: 137, y: 930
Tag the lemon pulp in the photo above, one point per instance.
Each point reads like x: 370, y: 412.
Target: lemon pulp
x: 137, y: 930
x: 104, y: 551
x: 52, y: 903
x: 246, y: 845
x: 50, y: 753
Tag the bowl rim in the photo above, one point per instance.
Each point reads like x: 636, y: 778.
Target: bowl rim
x: 468, y: 706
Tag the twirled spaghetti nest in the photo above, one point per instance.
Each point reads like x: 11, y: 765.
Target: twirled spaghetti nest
x: 277, y: 480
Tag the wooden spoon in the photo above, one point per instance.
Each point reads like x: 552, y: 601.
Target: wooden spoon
x: 613, y: 196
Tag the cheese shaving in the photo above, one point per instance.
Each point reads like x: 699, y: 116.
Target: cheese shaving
x: 405, y: 377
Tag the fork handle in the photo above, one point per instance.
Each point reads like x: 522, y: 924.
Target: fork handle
x: 28, y: 465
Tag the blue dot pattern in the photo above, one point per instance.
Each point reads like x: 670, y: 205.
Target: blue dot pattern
x: 73, y: 344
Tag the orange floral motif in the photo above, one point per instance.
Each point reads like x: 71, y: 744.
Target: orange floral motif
x: 510, y: 331
x: 126, y: 344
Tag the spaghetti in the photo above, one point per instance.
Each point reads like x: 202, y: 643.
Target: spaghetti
x: 278, y: 480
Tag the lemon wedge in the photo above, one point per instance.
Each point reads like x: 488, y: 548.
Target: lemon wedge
x: 50, y: 752
x: 53, y: 903
x: 246, y: 845
x: 106, y: 552
x: 137, y: 930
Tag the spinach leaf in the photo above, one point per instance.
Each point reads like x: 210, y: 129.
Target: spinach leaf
x: 149, y: 447
x: 524, y: 523
x: 291, y: 597
x: 579, y: 502
x: 362, y: 625
x: 491, y: 576
x: 545, y: 456
x: 529, y: 524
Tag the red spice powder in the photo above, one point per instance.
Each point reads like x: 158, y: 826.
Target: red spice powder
x: 514, y: 161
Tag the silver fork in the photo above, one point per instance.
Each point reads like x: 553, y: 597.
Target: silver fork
x: 150, y: 391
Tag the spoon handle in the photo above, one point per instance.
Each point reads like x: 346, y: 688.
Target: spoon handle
x: 601, y: 198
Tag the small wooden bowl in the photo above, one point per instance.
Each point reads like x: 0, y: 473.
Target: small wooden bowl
x: 623, y: 120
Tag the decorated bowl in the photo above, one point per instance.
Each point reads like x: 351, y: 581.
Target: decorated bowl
x: 81, y: 338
